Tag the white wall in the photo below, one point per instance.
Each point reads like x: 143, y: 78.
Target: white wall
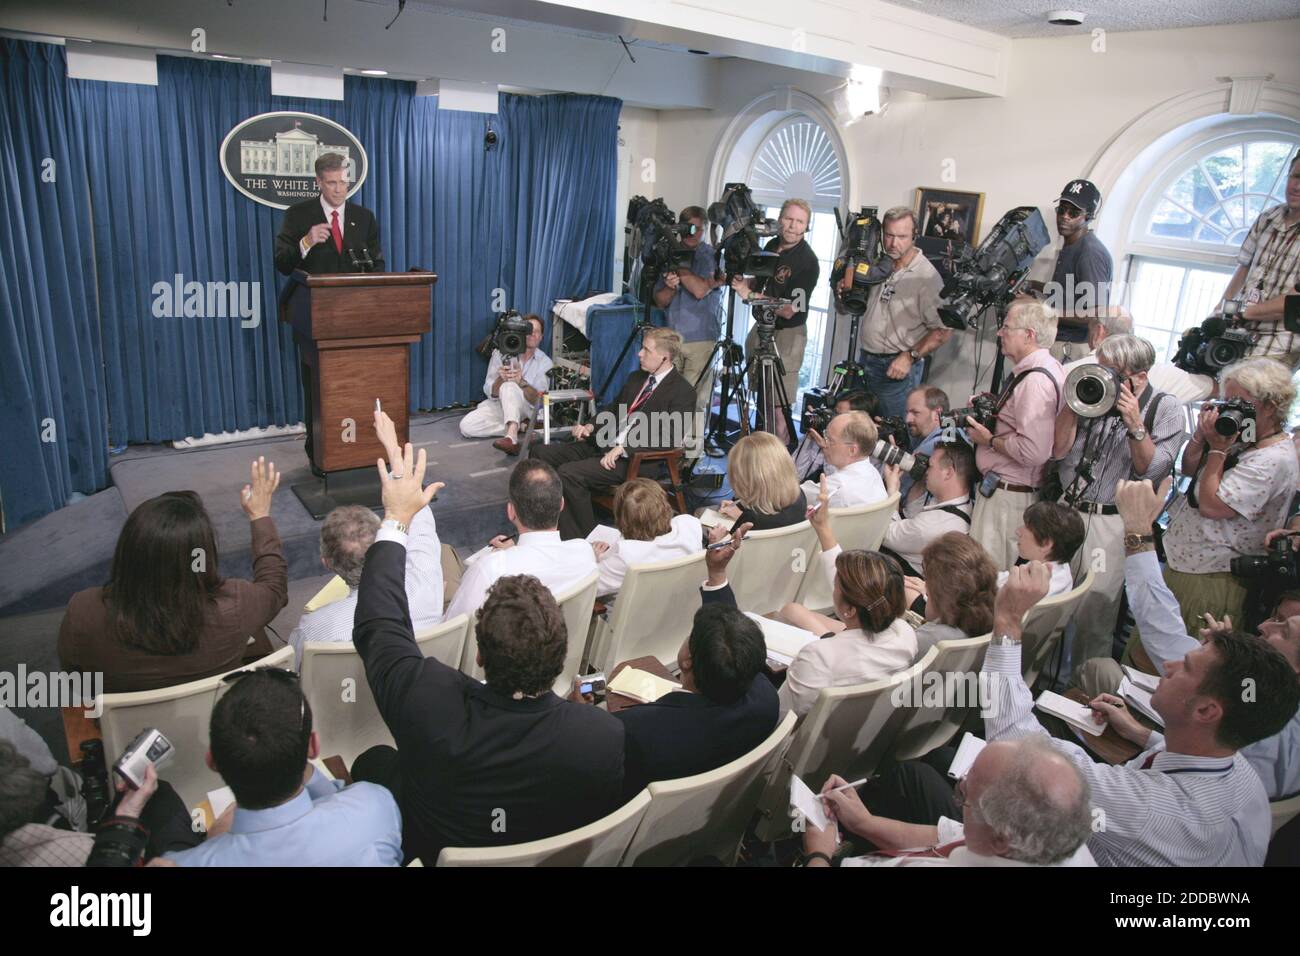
x: 1064, y: 102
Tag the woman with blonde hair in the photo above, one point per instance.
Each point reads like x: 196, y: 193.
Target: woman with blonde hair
x: 647, y: 532
x: 762, y: 477
x: 868, y: 639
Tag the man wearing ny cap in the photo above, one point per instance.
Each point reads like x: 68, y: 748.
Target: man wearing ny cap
x: 1082, y: 274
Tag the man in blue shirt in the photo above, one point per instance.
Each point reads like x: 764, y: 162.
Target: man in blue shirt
x: 926, y: 407
x: 286, y: 812
x: 692, y: 298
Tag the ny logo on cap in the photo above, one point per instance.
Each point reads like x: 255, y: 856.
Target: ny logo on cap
x: 1077, y: 186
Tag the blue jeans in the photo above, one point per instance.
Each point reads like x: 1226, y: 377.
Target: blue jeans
x: 891, y: 393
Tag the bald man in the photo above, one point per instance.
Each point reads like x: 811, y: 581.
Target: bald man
x: 1021, y: 804
x: 1164, y: 377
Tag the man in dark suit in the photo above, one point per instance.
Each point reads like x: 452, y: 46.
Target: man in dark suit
x: 476, y: 764
x: 655, y: 411
x: 322, y: 236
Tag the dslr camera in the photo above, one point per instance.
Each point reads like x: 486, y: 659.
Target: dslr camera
x: 914, y: 465
x: 1236, y: 416
x: 983, y: 408
x: 1092, y: 390
x: 1277, y: 566
x: 511, y: 335
x: 1216, y: 343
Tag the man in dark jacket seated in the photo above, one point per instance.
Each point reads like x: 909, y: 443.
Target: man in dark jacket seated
x: 490, y: 764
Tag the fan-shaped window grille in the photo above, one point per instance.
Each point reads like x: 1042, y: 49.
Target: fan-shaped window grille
x: 797, y: 159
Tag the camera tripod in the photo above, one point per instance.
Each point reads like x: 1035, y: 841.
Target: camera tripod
x: 733, y: 374
x: 638, y: 327
x: 765, y: 371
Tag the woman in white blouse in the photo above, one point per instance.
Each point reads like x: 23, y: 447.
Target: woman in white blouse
x: 647, y: 533
x: 870, y: 639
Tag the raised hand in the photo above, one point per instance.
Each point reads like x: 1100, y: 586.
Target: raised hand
x: 256, y: 497
x: 404, y: 491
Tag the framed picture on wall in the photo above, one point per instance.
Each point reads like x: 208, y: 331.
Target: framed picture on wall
x: 948, y: 214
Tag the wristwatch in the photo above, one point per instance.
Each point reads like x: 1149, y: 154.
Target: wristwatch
x: 394, y: 524
x: 1139, y: 435
x: 914, y: 354
x: 1005, y: 640
x: 1133, y: 540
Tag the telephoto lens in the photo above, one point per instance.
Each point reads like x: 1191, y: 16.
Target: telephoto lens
x: 914, y: 465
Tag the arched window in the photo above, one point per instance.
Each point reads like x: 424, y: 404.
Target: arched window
x: 1189, y: 225
x: 784, y: 146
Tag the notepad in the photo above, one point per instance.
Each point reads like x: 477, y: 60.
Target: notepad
x: 807, y: 804
x: 1078, y: 716
x: 712, y: 519
x: 1148, y: 682
x: 967, y: 751
x: 784, y: 641
x: 336, y: 590
x: 487, y: 548
x: 641, y: 685
x: 1139, y: 698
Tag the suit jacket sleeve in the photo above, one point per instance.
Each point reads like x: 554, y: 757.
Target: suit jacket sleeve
x: 372, y: 245
x: 286, y: 244
x: 382, y: 630
x: 724, y: 596
x: 675, y: 399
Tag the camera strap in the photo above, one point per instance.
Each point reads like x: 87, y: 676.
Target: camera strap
x: 1020, y: 377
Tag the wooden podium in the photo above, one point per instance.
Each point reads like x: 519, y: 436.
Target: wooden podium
x: 354, y: 333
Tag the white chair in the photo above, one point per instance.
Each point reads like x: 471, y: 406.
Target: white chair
x: 575, y: 604
x: 1043, y: 626
x: 859, y: 528
x: 848, y: 731
x: 938, y: 705
x: 653, y: 614
x: 344, y: 711
x: 768, y: 570
x: 706, y: 815
x: 602, y: 843
x: 182, y: 713
x: 1284, y: 811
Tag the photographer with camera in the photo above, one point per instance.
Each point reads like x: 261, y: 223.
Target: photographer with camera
x: 1013, y: 457
x: 901, y: 325
x: 692, y: 298
x: 946, y: 505
x: 1163, y: 376
x: 1244, y: 472
x: 513, y: 386
x: 1268, y: 269
x: 797, y: 271
x: 1138, y: 437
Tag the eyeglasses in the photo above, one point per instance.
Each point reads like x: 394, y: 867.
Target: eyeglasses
x: 961, y: 798
x: 286, y: 677
x: 1069, y: 212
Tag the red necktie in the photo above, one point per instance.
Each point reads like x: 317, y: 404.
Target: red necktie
x: 645, y: 394
x: 338, y: 233
x: 1146, y: 764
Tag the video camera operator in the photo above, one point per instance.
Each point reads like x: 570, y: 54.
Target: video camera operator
x: 1138, y: 438
x: 797, y: 271
x: 512, y: 387
x: 692, y: 298
x: 1244, y: 472
x: 1268, y: 269
x: 1013, y: 457
x: 901, y: 325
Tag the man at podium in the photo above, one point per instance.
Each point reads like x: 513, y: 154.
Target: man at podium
x: 325, y: 235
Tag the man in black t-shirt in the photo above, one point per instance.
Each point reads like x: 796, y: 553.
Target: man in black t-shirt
x: 796, y: 276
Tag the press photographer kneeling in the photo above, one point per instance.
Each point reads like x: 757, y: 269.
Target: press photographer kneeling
x: 1244, y: 474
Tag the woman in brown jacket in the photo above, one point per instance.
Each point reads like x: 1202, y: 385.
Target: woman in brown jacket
x: 166, y: 616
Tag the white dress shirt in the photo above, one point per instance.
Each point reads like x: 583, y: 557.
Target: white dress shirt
x: 534, y: 370
x: 684, y: 538
x: 1182, y: 811
x: 559, y: 565
x: 333, y: 622
x: 852, y: 656
x: 951, y: 831
x: 1062, y: 578
x: 1160, y: 624
x: 857, y: 483
x: 908, y: 537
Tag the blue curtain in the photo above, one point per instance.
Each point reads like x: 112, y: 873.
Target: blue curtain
x: 53, y: 434
x: 139, y: 174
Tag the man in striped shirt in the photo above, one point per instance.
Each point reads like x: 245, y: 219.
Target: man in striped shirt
x: 1190, y: 799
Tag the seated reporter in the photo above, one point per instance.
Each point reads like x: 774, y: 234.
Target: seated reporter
x: 477, y: 764
x: 167, y: 616
x: 1021, y: 804
x: 946, y: 506
x: 762, y: 478
x: 513, y: 387
x: 647, y: 532
x: 286, y: 812
x: 1165, y: 638
x: 1241, y: 489
x: 963, y: 606
x: 809, y: 460
x: 347, y: 534
x: 653, y: 412
x: 847, y: 446
x: 869, y: 637
x: 1141, y: 441
x: 1191, y: 798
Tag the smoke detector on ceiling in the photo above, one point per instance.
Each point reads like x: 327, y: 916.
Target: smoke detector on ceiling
x: 1065, y: 18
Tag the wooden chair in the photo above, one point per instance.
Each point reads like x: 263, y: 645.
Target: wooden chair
x: 602, y: 843
x: 672, y: 459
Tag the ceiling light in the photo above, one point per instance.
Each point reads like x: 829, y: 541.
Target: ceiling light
x: 374, y: 72
x: 1065, y: 18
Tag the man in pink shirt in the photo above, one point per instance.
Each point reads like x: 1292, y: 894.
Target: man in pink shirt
x: 1021, y: 444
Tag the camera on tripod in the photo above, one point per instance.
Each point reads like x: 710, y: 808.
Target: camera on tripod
x: 983, y: 408
x: 1278, y: 565
x: 863, y: 257
x: 1236, y: 416
x: 659, y: 237
x: 1216, y: 343
x: 510, y: 337
x: 743, y: 224
x: 991, y: 274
